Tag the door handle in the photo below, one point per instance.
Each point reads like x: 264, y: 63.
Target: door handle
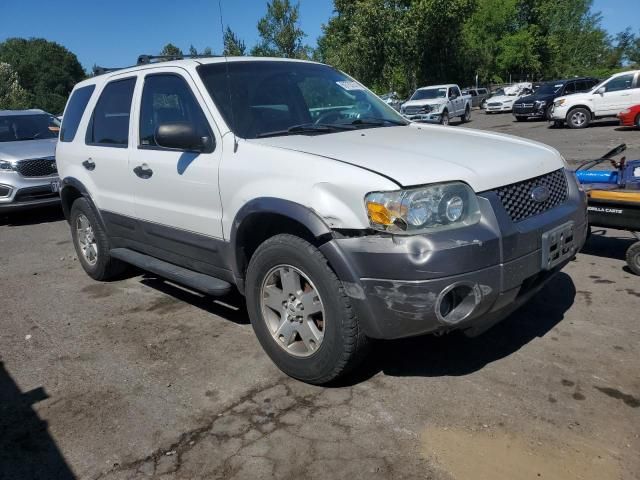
x: 89, y: 164
x: 143, y: 171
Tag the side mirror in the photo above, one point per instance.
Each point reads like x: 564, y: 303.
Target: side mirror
x: 601, y: 90
x: 182, y: 136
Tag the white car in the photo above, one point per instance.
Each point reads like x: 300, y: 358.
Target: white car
x: 504, y: 102
x: 437, y: 104
x: 607, y: 99
x: 289, y: 181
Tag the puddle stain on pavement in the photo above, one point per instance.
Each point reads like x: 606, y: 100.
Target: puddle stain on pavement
x: 495, y: 455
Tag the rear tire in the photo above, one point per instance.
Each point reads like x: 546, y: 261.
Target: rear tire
x: 467, y: 115
x: 579, y: 118
x: 92, y: 244
x: 283, y: 335
x: 633, y: 258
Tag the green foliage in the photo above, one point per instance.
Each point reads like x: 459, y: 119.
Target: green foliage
x: 12, y: 95
x: 234, y: 46
x: 280, y: 33
x: 170, y: 50
x: 397, y: 45
x: 46, y: 70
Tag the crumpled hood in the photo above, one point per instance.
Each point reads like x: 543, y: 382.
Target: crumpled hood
x: 421, y: 103
x: 421, y: 154
x: 503, y: 98
x: 13, y: 151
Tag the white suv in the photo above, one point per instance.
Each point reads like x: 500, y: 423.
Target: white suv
x: 337, y: 219
x: 606, y: 99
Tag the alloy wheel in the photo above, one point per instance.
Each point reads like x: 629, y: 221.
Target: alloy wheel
x: 292, y: 310
x: 86, y: 239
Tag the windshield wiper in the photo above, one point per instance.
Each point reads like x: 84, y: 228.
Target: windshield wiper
x: 306, y: 128
x: 375, y: 122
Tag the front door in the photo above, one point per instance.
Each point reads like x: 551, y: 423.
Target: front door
x: 617, y: 95
x: 177, y: 197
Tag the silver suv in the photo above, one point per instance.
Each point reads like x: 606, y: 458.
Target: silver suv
x: 28, y: 172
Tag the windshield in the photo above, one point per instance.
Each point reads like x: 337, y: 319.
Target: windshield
x: 548, y: 88
x: 14, y: 128
x: 429, y: 94
x: 263, y: 98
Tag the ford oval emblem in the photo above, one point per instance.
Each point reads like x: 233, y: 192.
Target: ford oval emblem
x: 540, y: 194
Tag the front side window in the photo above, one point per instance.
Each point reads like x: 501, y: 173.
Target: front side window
x: 623, y: 82
x: 167, y: 98
x: 454, y: 92
x: 75, y: 110
x: 16, y: 128
x: 266, y: 98
x: 109, y: 124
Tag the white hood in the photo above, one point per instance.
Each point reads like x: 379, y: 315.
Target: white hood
x: 421, y: 154
x: 420, y: 103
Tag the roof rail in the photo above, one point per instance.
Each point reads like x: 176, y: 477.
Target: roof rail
x: 102, y: 70
x: 147, y: 59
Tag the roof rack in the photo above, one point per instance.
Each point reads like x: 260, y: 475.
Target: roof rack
x: 147, y: 59
x: 102, y: 70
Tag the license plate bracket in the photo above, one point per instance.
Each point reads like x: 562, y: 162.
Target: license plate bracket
x: 558, y: 245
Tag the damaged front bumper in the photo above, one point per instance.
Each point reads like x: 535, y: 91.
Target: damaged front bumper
x: 467, y: 279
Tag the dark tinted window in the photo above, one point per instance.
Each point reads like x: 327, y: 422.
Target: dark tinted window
x: 73, y: 113
x: 623, y: 82
x: 15, y: 128
x: 570, y: 88
x: 168, y: 99
x: 110, y: 122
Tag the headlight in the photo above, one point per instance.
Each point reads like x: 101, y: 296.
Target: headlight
x: 540, y: 104
x: 625, y: 112
x: 4, y: 165
x: 423, y: 209
x: 559, y: 103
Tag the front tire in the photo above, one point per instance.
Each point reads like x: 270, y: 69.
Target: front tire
x: 633, y: 258
x: 444, y: 118
x: 300, y: 312
x: 578, y: 118
x: 92, y: 244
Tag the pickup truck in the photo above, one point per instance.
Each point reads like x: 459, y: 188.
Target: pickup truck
x: 438, y: 104
x: 607, y: 99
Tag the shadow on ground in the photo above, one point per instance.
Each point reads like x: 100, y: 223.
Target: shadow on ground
x: 27, y: 450
x: 609, y: 246
x: 32, y: 217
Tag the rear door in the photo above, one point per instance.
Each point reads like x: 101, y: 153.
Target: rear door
x: 101, y: 164
x: 177, y: 197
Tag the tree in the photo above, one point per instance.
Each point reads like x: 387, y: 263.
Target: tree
x: 280, y: 33
x: 170, y: 50
x: 47, y: 70
x: 234, y: 46
x: 12, y: 95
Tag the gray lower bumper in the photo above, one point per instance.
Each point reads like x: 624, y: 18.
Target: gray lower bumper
x: 397, y: 283
x: 21, y: 193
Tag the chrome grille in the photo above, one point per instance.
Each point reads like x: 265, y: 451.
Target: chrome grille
x: 37, y: 167
x: 524, y: 105
x: 413, y: 110
x: 518, y: 201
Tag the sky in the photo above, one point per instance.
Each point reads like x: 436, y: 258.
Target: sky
x: 113, y: 33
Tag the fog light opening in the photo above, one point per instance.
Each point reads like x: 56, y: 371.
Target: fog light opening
x: 457, y: 302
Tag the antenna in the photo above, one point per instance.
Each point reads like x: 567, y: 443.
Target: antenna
x: 226, y: 62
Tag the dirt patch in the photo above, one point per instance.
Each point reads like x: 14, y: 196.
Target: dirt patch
x: 497, y: 455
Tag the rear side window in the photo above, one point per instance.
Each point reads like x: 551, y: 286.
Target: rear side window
x: 167, y: 98
x: 109, y: 125
x: 570, y: 88
x: 75, y: 110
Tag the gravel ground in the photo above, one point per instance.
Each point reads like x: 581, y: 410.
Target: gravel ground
x: 139, y: 378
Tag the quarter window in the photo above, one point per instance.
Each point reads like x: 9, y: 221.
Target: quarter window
x: 110, y: 121
x: 623, y: 82
x: 73, y: 113
x: 167, y: 98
